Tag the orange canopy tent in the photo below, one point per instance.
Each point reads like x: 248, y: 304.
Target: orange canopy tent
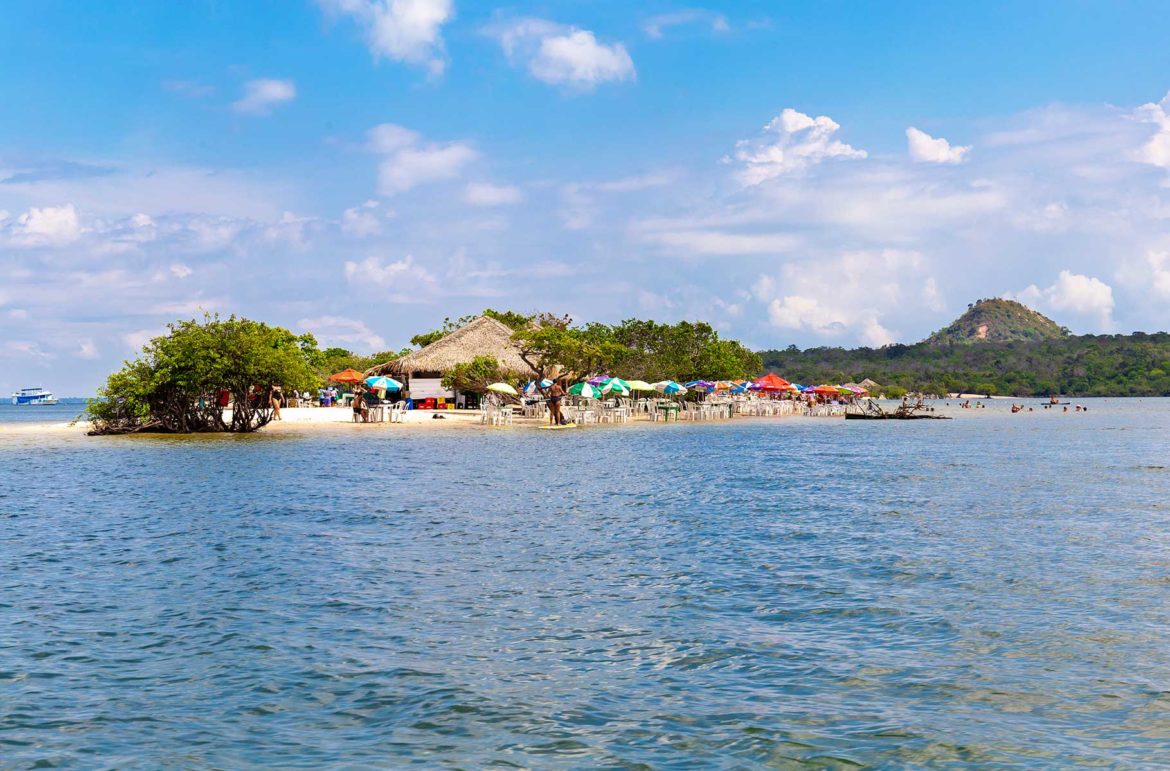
x: 348, y: 375
x: 772, y: 382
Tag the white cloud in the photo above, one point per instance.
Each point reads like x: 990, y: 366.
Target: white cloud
x: 264, y: 94
x: 137, y: 339
x: 656, y: 25
x: 844, y: 297
x: 343, y: 332
x: 361, y: 221
x: 699, y: 241
x: 928, y: 149
x: 179, y: 270
x: 403, y: 30
x: 87, y: 350
x: 410, y: 162
x: 1159, y: 266
x: 27, y: 349
x: 1073, y: 293
x: 1157, y: 150
x: 486, y: 194
x: 387, y: 138
x: 403, y: 281
x: 558, y: 54
x: 50, y: 225
x: 791, y: 141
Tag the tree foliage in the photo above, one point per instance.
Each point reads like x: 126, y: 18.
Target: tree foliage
x: 175, y: 384
x: 474, y: 376
x: 1087, y: 365
x: 645, y: 350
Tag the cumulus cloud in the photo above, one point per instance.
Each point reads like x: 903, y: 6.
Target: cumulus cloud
x: 262, y: 95
x: 487, y: 194
x: 1157, y: 150
x: 403, y: 281
x: 179, y: 270
x: 558, y: 54
x: 402, y: 30
x: 409, y: 162
x: 791, y: 141
x: 927, y: 149
x: 343, y: 332
x: 655, y: 26
x: 49, y: 226
x: 1073, y: 293
x: 846, y: 297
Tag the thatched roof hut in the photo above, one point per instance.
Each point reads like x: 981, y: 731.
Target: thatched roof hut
x: 482, y: 337
x: 869, y: 385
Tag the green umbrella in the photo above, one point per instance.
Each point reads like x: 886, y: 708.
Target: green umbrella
x: 584, y: 389
x: 615, y: 385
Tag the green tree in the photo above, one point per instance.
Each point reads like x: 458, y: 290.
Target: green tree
x: 474, y: 376
x: 175, y: 384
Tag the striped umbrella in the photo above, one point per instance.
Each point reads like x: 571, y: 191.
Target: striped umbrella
x: 615, y: 385
x: 383, y: 383
x: 584, y: 389
x: 670, y: 388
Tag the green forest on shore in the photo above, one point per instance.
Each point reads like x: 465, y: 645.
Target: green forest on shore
x: 1076, y: 365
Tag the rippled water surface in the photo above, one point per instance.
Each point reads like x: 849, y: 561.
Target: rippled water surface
x: 990, y: 590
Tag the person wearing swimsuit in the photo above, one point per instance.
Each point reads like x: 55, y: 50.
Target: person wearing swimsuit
x: 555, y: 394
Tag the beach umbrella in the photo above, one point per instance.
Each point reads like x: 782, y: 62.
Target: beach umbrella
x: 584, y: 389
x: 529, y: 388
x: 546, y: 383
x: 615, y: 385
x: 670, y: 388
x: 772, y: 382
x: 597, y: 380
x: 640, y: 385
x: 383, y: 383
x: 502, y: 388
x: 702, y: 385
x: 825, y: 390
x: 739, y: 388
x: 348, y: 375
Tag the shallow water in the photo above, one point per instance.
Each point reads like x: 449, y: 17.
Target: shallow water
x: 990, y: 590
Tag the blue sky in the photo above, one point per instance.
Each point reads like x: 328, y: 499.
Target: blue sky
x: 834, y: 173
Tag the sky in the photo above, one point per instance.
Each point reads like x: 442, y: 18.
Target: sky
x: 809, y: 173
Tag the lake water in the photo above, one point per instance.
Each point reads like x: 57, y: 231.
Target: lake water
x: 992, y: 590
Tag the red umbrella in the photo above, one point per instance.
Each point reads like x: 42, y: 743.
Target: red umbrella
x: 772, y: 382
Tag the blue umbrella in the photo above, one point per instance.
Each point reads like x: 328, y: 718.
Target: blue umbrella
x: 546, y: 383
x: 387, y: 383
x: 669, y: 387
x: 529, y: 388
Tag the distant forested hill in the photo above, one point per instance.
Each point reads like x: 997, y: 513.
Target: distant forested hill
x: 998, y: 321
x: 1088, y: 365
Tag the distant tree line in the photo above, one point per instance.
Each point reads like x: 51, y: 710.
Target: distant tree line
x: 1086, y: 365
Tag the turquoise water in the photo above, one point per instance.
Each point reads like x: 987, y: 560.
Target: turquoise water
x: 991, y: 590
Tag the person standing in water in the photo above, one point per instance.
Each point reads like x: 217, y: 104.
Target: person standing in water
x: 555, y: 394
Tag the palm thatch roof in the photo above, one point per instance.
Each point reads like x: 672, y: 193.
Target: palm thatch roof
x: 869, y: 384
x: 482, y: 337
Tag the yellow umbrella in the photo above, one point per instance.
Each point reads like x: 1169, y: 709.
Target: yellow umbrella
x: 503, y: 388
x: 640, y: 385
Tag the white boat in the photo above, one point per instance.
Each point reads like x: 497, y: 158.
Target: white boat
x: 32, y: 396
